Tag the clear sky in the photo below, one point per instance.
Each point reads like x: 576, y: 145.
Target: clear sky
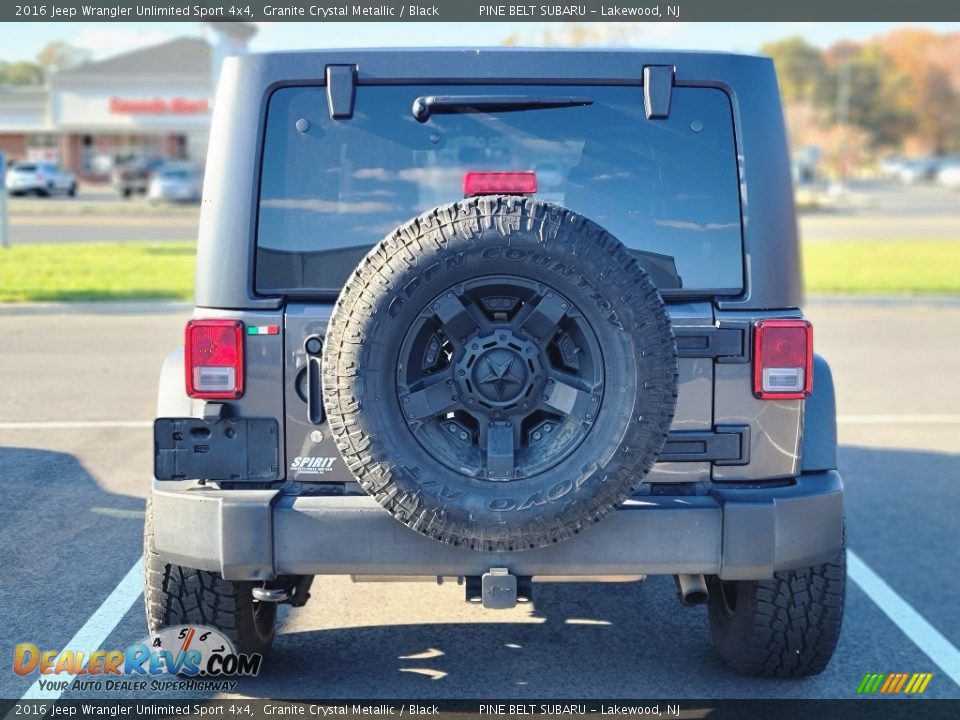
x: 20, y: 41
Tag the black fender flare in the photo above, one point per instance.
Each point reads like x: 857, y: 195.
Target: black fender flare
x: 820, y: 421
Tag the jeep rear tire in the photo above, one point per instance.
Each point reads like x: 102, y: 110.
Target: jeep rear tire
x: 499, y: 373
x: 784, y: 627
x: 175, y: 595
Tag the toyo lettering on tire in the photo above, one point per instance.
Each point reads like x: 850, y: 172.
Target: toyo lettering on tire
x: 499, y: 373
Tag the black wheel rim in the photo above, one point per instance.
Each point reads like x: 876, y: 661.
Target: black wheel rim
x: 500, y: 378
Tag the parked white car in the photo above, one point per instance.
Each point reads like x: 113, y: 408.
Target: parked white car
x: 40, y: 178
x: 890, y: 167
x: 949, y: 176
x: 176, y: 182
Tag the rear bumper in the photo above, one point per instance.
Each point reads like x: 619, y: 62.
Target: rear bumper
x: 738, y: 534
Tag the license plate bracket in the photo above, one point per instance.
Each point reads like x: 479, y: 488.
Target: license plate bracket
x: 222, y: 449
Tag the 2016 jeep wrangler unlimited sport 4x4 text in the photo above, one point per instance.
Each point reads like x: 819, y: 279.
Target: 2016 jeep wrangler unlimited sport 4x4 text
x: 500, y: 315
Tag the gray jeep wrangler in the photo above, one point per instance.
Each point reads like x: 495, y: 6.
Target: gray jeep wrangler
x: 502, y: 316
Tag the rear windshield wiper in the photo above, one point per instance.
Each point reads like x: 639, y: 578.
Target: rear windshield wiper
x: 426, y: 105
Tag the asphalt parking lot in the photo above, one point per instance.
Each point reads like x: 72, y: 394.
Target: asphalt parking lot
x: 98, y: 214
x: 885, y: 211
x: 77, y: 391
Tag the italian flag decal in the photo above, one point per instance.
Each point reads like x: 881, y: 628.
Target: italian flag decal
x: 263, y: 329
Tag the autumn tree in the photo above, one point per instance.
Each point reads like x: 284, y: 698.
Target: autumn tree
x: 59, y: 55
x: 898, y: 88
x: 925, y: 80
x: 938, y: 110
x: 862, y: 87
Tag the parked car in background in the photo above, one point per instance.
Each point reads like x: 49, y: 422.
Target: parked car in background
x: 891, y: 166
x: 949, y: 175
x: 919, y: 170
x: 810, y: 186
x: 40, y: 178
x: 176, y: 182
x: 133, y: 176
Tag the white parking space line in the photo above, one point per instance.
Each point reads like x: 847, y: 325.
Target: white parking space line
x: 75, y: 425
x: 98, y: 628
x: 905, y: 419
x: 926, y: 637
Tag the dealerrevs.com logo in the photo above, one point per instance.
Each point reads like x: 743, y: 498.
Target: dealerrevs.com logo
x: 894, y: 683
x: 189, y: 651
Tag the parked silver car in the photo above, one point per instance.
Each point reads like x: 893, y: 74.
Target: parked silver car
x: 918, y: 170
x: 176, y: 182
x: 40, y: 178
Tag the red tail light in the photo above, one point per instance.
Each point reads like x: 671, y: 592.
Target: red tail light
x: 496, y: 183
x: 782, y: 359
x: 213, y: 359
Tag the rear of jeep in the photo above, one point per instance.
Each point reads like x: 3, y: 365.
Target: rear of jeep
x: 502, y: 317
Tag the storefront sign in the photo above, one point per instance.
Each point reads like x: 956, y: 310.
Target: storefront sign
x: 158, y: 106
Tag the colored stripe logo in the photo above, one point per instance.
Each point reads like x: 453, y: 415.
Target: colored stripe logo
x: 894, y: 683
x: 263, y: 330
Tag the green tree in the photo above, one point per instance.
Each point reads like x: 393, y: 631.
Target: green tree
x: 20, y: 73
x: 801, y: 69
x: 54, y: 57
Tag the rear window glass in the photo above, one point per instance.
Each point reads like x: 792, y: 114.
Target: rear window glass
x: 25, y: 168
x: 668, y: 189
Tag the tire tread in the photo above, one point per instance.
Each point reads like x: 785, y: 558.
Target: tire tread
x: 787, y: 626
x: 175, y: 595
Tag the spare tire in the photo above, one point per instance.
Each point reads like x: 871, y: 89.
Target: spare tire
x: 499, y: 373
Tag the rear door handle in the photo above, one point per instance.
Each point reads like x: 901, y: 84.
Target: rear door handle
x: 313, y: 346
x: 314, y: 393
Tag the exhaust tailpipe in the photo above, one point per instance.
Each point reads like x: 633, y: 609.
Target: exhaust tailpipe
x: 691, y: 589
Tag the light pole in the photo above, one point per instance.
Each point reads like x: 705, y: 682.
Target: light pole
x: 843, y: 113
x: 4, y: 225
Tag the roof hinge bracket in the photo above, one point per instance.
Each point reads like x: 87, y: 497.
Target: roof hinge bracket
x: 657, y: 89
x: 341, y: 90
